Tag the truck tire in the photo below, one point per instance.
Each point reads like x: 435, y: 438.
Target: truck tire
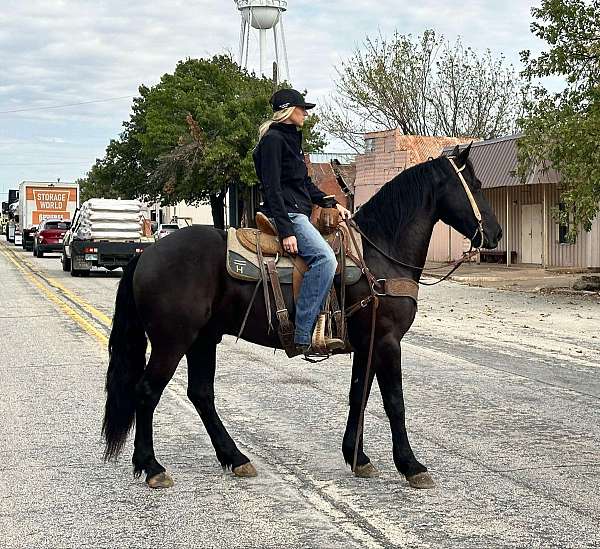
x: 66, y: 262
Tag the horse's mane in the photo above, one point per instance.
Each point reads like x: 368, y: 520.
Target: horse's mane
x: 387, y: 213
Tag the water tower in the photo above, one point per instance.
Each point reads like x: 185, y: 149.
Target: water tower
x: 263, y: 15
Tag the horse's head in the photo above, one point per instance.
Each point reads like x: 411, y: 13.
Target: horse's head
x: 461, y: 203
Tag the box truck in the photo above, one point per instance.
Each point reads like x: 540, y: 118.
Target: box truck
x: 39, y: 201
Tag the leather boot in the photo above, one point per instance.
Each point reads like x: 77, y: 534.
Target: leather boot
x: 322, y: 344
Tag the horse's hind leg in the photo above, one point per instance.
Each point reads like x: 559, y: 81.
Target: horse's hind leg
x: 158, y: 373
x: 201, y: 377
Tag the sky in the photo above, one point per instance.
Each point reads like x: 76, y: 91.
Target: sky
x: 98, y: 52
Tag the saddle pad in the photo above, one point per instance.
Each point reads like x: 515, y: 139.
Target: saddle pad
x: 243, y: 264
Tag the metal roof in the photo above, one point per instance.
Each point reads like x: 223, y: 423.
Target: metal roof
x: 495, y: 163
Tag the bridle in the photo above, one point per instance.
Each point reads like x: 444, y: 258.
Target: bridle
x: 471, y: 201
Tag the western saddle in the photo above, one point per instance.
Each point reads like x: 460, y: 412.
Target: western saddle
x: 257, y: 255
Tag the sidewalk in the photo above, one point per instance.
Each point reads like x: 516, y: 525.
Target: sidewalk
x: 520, y: 278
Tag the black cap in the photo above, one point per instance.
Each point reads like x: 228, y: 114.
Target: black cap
x: 283, y: 99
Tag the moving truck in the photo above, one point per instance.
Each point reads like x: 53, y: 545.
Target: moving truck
x: 42, y: 200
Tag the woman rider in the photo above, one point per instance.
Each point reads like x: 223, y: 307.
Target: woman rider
x: 289, y: 194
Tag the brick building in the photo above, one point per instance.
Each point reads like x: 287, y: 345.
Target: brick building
x: 389, y: 152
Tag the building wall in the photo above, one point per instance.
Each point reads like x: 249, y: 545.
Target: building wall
x: 391, y: 153
x: 594, y: 245
x: 446, y: 244
x: 584, y: 253
x: 565, y: 255
x: 200, y: 215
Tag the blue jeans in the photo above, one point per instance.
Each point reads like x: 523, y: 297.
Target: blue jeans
x: 322, y: 264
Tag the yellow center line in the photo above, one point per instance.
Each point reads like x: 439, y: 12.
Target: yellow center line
x: 97, y: 314
x: 87, y: 326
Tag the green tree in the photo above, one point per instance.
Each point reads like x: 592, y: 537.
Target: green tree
x: 422, y: 85
x: 563, y: 128
x: 119, y: 174
x: 191, y: 136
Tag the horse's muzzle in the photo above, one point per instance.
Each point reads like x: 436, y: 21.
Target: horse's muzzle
x: 491, y: 242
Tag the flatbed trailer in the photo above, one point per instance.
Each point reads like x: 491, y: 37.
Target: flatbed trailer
x: 81, y: 256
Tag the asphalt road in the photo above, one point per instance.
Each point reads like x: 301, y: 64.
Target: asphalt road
x: 502, y: 391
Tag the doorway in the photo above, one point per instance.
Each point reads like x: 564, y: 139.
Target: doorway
x: 531, y: 233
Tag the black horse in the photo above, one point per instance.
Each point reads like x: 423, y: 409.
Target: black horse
x: 179, y: 295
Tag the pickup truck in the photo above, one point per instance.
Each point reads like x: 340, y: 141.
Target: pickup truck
x: 104, y: 233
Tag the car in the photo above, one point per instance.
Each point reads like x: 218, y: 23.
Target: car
x: 165, y: 229
x: 49, y: 236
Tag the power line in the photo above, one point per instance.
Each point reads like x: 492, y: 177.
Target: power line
x: 44, y: 143
x: 25, y: 164
x: 68, y: 105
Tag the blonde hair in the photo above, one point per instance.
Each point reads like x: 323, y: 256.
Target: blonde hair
x: 278, y: 116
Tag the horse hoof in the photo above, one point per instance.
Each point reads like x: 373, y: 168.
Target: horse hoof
x: 367, y: 470
x: 421, y: 480
x: 162, y: 480
x: 247, y: 470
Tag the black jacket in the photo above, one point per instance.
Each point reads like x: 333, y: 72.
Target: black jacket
x: 286, y: 186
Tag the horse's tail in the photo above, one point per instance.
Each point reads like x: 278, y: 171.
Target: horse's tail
x: 127, y: 352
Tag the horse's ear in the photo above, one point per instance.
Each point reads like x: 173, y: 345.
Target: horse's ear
x: 455, y: 151
x: 465, y: 153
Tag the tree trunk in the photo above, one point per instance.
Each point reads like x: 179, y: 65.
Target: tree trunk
x: 217, y: 202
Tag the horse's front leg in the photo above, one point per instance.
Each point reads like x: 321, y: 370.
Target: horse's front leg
x: 363, y: 468
x: 389, y: 378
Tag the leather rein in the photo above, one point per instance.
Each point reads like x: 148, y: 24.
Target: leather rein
x: 383, y: 284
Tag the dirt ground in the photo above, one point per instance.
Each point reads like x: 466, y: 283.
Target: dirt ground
x: 519, y: 278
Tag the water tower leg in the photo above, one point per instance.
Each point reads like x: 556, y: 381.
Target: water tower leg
x: 242, y: 42
x: 285, y: 55
x: 263, y: 50
x: 248, y: 40
x: 276, y: 52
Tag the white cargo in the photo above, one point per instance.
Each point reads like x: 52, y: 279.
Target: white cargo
x: 107, y: 219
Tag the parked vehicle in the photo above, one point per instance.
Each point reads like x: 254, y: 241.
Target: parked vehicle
x: 49, y: 236
x: 12, y: 222
x: 39, y: 201
x: 105, y: 233
x: 165, y: 229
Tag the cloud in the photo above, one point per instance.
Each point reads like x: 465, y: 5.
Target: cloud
x: 71, y: 51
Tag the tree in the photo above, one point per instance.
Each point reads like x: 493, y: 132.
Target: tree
x: 191, y: 136
x: 563, y: 128
x: 423, y: 86
x: 119, y: 174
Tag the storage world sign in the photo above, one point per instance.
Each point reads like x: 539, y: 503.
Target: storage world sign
x: 51, y: 203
